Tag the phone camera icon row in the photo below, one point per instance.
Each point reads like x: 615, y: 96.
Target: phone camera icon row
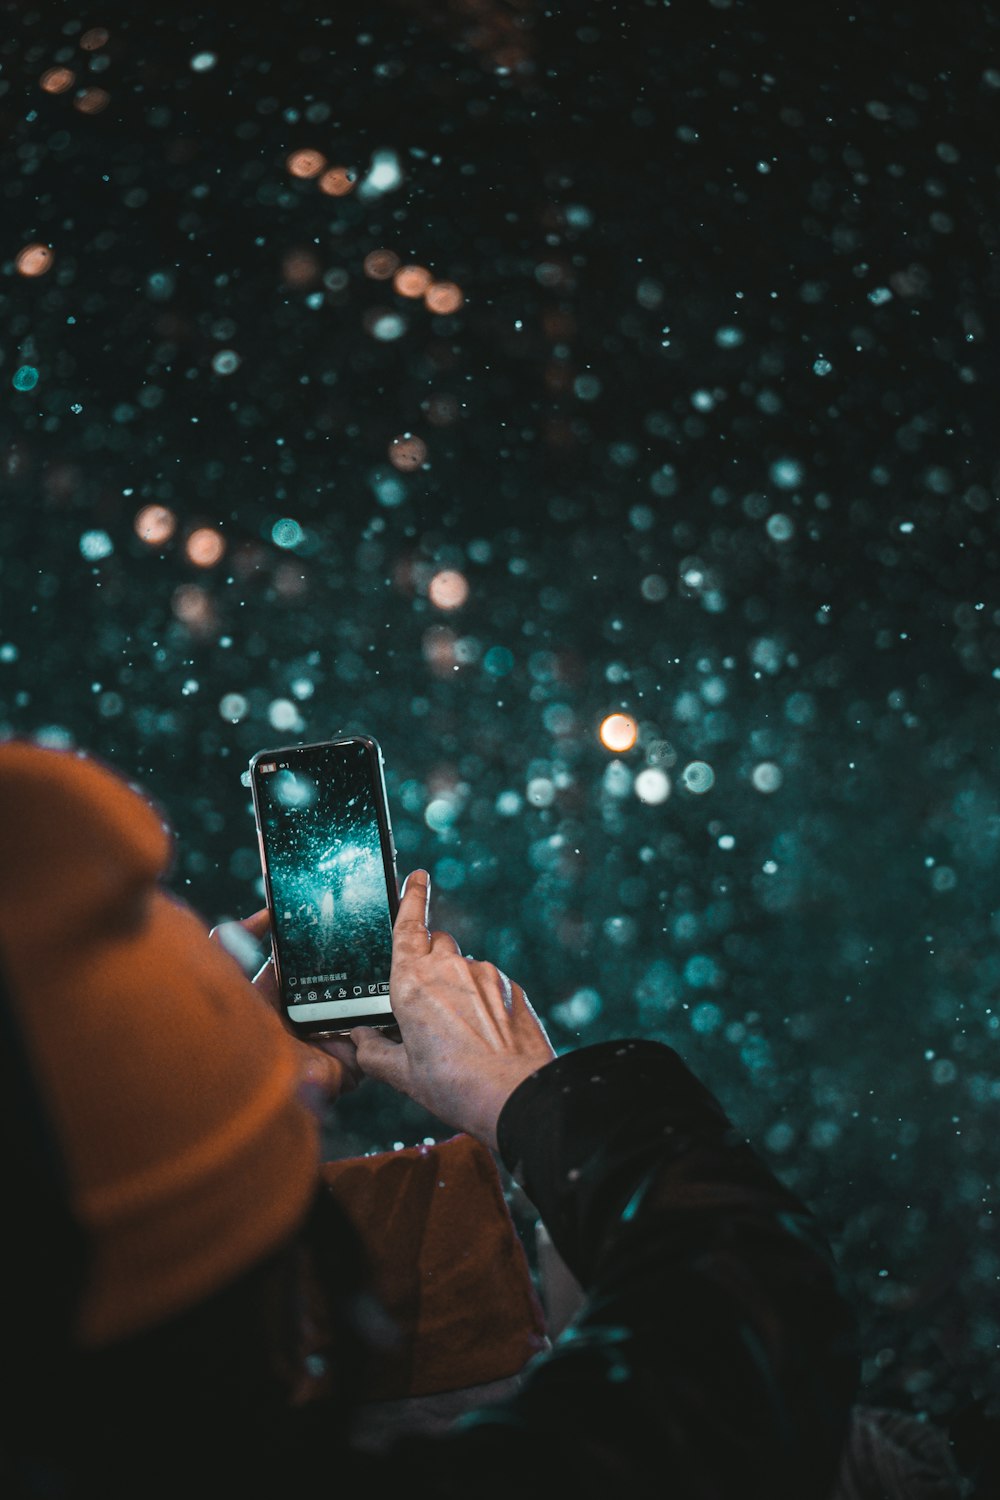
x: 341, y: 993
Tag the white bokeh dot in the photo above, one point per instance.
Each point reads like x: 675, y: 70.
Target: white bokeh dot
x: 767, y: 776
x: 652, y: 785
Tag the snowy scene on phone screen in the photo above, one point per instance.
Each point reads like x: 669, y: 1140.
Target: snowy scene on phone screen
x: 321, y: 831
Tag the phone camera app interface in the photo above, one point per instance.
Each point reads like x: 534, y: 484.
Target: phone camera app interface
x: 328, y: 882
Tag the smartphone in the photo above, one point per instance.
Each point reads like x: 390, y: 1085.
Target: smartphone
x: 330, y: 884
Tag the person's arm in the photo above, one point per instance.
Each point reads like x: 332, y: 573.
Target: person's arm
x: 713, y: 1347
x: 713, y: 1354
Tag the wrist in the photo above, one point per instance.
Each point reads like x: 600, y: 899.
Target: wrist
x: 501, y: 1087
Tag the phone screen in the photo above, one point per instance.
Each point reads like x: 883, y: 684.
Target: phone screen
x: 327, y: 847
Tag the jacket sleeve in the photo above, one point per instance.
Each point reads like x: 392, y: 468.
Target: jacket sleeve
x: 713, y: 1355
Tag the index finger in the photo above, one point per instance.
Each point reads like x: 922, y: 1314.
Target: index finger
x: 410, y: 935
x: 242, y: 938
x: 259, y: 924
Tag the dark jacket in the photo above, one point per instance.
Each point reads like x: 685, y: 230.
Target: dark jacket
x: 713, y: 1355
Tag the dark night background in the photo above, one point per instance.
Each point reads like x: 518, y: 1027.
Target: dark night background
x: 711, y: 439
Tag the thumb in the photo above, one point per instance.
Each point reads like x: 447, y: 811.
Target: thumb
x: 381, y: 1059
x: 323, y: 1076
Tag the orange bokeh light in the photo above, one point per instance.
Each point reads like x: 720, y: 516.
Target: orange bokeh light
x: 448, y: 589
x: 96, y: 37
x: 306, y: 163
x: 438, y: 648
x: 619, y: 732
x: 337, y: 181
x: 407, y: 452
x: 444, y: 297
x: 380, y: 265
x: 191, y: 604
x: 155, y: 524
x: 57, y: 80
x: 300, y: 268
x: 412, y: 281
x: 92, y: 101
x: 34, y: 260
x: 205, y: 547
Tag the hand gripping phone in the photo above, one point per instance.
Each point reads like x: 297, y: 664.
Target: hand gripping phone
x: 329, y: 867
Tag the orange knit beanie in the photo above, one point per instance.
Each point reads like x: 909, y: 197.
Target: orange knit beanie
x: 172, y: 1086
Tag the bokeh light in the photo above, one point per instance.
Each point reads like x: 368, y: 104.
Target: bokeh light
x: 767, y: 777
x: 444, y: 297
x: 381, y: 265
x: 412, y: 281
x: 287, y: 532
x: 192, y: 605
x: 92, y: 101
x: 618, y: 732
x: 652, y: 786
x: 384, y: 324
x: 57, y: 80
x: 300, y: 268
x: 407, y: 452
x: 448, y: 589
x: 34, y: 260
x: 337, y: 181
x: 233, y: 706
x: 698, y: 777
x: 205, y: 547
x: 305, y: 163
x: 438, y: 647
x: 225, y: 362
x: 442, y: 410
x: 155, y: 524
x: 95, y: 545
x: 95, y: 38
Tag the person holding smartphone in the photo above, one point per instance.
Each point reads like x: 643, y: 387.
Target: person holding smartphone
x: 171, y: 1234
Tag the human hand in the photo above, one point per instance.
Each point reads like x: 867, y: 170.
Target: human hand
x: 468, y: 1034
x: 340, y: 1072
